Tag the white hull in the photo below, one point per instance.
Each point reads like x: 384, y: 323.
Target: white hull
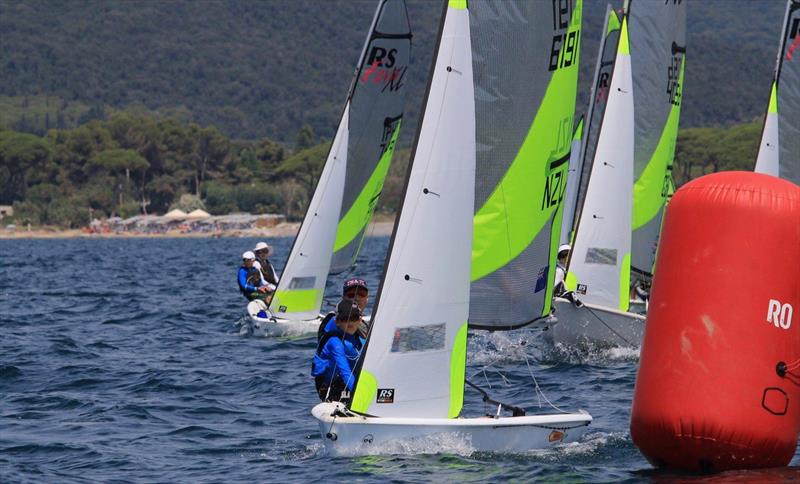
x: 359, y: 435
x: 272, y: 326
x: 595, y: 325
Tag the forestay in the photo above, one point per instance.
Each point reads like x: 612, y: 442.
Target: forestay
x: 657, y: 33
x: 779, y: 151
x: 376, y: 111
x: 370, y: 121
x: 600, y: 258
x: 415, y: 357
x: 525, y: 59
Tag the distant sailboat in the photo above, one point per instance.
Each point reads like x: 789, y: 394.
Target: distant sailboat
x: 475, y: 240
x: 605, y: 237
x: 779, y: 151
x: 352, y: 178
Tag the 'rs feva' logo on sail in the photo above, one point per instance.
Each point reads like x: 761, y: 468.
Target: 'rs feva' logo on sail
x: 555, y: 185
x: 564, y: 51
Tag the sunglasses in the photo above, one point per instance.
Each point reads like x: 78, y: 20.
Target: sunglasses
x: 352, y: 292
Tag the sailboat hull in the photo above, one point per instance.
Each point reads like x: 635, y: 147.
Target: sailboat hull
x: 595, y: 325
x: 351, y: 434
x: 271, y: 326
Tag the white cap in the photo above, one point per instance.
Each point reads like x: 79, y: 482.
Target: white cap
x: 564, y: 248
x: 262, y: 245
x: 249, y: 256
x: 257, y: 265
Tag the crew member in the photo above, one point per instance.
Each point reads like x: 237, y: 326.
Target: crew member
x: 337, y: 354
x: 249, y: 278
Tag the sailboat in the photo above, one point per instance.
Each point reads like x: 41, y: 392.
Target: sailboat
x: 481, y: 205
x: 779, y: 150
x: 351, y: 180
x: 638, y: 111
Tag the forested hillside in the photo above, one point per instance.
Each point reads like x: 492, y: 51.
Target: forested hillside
x: 264, y: 69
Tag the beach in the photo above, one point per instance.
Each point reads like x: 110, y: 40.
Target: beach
x: 287, y: 229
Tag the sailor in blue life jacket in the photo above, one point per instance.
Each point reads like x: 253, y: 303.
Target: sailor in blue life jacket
x: 356, y: 289
x: 559, y: 287
x: 337, y: 354
x: 249, y: 278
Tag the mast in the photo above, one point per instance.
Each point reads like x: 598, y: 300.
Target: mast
x: 301, y: 289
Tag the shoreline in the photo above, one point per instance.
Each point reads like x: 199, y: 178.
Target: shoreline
x: 376, y: 229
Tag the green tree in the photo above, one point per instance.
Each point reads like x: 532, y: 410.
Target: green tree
x: 305, y: 167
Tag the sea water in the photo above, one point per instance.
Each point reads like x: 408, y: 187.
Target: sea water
x: 120, y: 360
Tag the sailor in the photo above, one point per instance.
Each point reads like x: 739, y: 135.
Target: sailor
x: 249, y: 278
x: 337, y: 354
x: 262, y: 251
x: 356, y: 289
x: 561, y: 269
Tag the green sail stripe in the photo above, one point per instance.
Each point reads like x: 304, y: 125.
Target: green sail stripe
x: 458, y: 4
x: 360, y: 212
x: 512, y: 216
x: 578, y: 131
x: 648, y: 191
x: 624, y: 47
x: 298, y: 300
x: 458, y: 368
x: 555, y: 241
x: 613, y: 22
x: 366, y: 390
x: 773, y: 98
x: 625, y: 282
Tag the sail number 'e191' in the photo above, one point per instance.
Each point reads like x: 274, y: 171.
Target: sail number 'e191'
x: 564, y: 49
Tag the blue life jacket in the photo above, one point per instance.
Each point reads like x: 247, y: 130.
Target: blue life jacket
x: 337, y: 355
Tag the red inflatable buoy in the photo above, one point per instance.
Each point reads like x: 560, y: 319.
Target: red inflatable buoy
x: 718, y: 385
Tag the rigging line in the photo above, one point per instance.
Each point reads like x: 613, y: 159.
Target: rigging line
x: 609, y: 327
x: 794, y: 365
x: 538, y: 389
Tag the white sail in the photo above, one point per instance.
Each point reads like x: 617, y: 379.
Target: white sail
x: 768, y: 160
x: 301, y: 287
x: 601, y: 253
x: 420, y: 324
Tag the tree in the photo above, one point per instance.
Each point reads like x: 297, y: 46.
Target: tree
x: 304, y: 139
x: 20, y: 156
x: 305, y: 166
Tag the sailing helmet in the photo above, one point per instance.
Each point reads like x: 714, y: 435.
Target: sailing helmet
x: 249, y: 255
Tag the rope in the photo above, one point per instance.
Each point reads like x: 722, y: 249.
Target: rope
x: 539, y: 393
x: 793, y: 366
x: 609, y: 327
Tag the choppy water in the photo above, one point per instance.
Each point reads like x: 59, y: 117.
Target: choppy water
x: 120, y: 361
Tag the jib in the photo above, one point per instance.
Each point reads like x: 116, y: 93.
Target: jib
x: 378, y: 54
